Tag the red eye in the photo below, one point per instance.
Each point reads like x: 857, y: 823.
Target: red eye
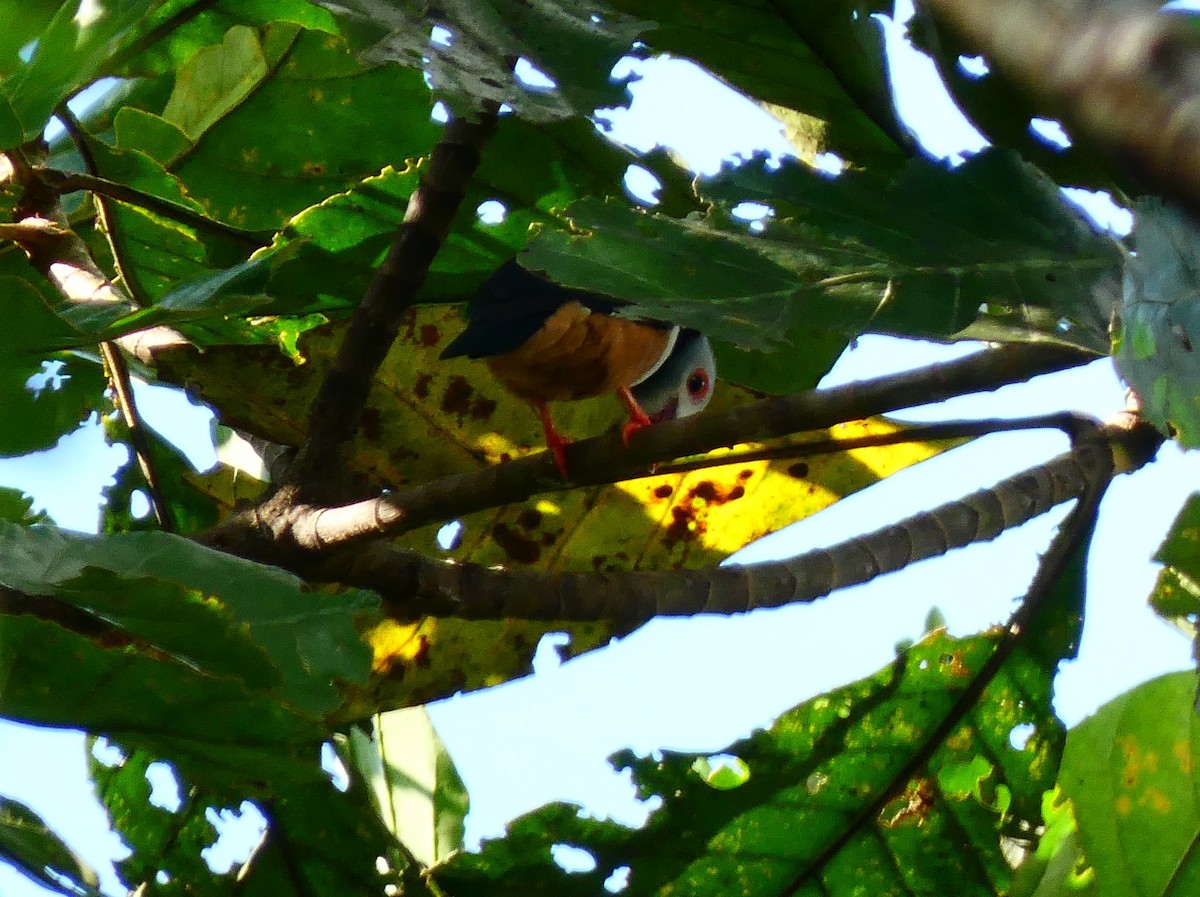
x: 697, y: 383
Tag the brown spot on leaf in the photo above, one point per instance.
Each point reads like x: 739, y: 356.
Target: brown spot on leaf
x: 683, y: 526
x: 482, y: 409
x: 517, y: 546
x: 663, y: 491
x: 457, y: 398
x: 799, y: 470
x: 430, y: 335
x: 530, y: 518
x: 421, y: 386
x: 744, y: 475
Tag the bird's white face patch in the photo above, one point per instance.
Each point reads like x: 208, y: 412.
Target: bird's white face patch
x: 683, y: 384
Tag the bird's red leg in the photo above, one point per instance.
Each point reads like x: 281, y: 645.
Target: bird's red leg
x: 555, y: 441
x: 638, y: 418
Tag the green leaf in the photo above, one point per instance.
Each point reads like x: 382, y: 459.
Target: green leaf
x: 575, y: 44
x: 161, y: 841
x: 17, y: 507
x: 67, y: 389
x: 1177, y: 592
x: 320, y: 121
x: 918, y: 256
x: 414, y: 786
x: 310, y: 638
x: 56, y: 677
x: 215, y: 81
x: 1132, y: 772
x: 324, y: 841
x: 31, y: 847
x: 807, y: 818
x: 189, y: 509
x: 823, y: 60
x: 1158, y: 331
x: 1055, y: 868
x: 67, y: 51
x: 1001, y: 111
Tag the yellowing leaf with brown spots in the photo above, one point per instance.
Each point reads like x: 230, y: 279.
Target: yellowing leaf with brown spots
x: 428, y: 418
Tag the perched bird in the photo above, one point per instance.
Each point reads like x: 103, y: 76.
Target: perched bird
x: 548, y: 343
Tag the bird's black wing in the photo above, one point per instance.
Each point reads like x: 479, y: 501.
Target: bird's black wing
x: 511, y: 306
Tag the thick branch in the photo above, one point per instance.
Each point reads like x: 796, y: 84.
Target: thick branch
x: 282, y: 531
x: 1126, y: 80
x: 413, y: 585
x: 337, y: 411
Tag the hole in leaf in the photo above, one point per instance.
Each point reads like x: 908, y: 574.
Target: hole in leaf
x: 139, y: 504
x: 1049, y: 131
x: 440, y: 113
x: 164, y: 787
x: 238, y: 834
x: 722, y: 771
x: 618, y: 881
x: 531, y: 76
x: 50, y: 377
x: 1020, y: 734
x: 441, y: 35
x: 334, y: 767
x: 491, y: 211
x: 449, y: 537
x: 107, y: 753
x: 572, y: 859
x: 973, y: 66
x: 642, y: 185
x: 829, y: 163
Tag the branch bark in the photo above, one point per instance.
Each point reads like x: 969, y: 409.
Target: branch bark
x: 413, y: 585
x: 283, y: 531
x: 337, y: 410
x: 1126, y: 80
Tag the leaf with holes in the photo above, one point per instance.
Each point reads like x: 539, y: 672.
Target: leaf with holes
x: 831, y: 802
x: 989, y: 244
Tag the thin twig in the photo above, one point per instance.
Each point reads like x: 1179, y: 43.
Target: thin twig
x: 70, y: 182
x: 279, y: 528
x: 1068, y: 422
x: 139, y: 438
x: 337, y: 410
x: 114, y: 362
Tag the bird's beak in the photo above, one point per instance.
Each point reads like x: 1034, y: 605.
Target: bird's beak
x: 667, y: 412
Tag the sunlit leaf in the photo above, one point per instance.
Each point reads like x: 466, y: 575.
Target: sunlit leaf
x: 413, y: 783
x: 809, y: 818
x: 1131, y: 772
x: 27, y: 844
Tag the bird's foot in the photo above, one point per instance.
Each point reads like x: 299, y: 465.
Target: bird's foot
x: 555, y: 441
x: 638, y: 418
x: 556, y: 444
x: 632, y: 425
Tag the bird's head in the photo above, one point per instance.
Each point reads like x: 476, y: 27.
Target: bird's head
x: 682, y: 384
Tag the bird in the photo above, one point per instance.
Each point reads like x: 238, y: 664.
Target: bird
x: 547, y: 343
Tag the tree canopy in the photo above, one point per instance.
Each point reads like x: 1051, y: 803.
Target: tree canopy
x: 277, y: 206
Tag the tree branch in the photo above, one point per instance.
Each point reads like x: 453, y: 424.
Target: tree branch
x: 413, y: 585
x: 337, y: 410
x: 284, y: 531
x: 1126, y: 81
